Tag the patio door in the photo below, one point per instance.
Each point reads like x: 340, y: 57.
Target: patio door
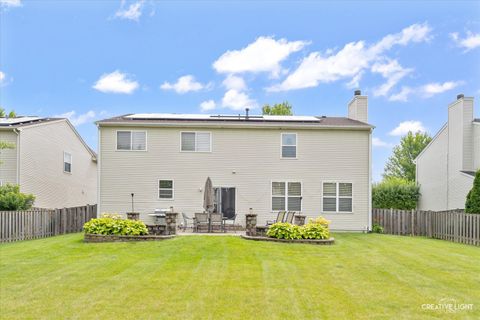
x: 225, y: 201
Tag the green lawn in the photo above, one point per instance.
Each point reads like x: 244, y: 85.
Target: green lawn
x: 200, y: 277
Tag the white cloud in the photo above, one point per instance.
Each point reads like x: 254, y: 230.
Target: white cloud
x: 237, y: 100
x: 431, y: 89
x: 75, y: 119
x: 402, y: 95
x: 390, y: 70
x: 471, y: 40
x: 377, y: 142
x: 349, y: 62
x: 408, y: 126
x: 132, y: 12
x: 2, y: 77
x: 234, y: 82
x: 207, y: 105
x: 185, y: 84
x: 263, y: 55
x: 116, y: 82
x: 10, y: 3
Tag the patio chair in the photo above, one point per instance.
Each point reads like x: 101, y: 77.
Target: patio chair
x: 186, y: 218
x: 290, y: 215
x: 200, y: 220
x: 230, y: 215
x: 280, y: 216
x: 216, y: 219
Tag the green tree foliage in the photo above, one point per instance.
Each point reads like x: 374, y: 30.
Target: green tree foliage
x: 278, y: 109
x: 401, y: 162
x: 395, y: 193
x: 12, y: 199
x: 472, y: 205
x: 3, y: 113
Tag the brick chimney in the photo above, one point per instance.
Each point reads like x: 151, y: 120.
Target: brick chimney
x: 358, y: 107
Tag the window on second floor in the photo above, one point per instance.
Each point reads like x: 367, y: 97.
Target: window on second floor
x: 289, y: 145
x: 132, y: 140
x: 196, y: 141
x: 67, y: 162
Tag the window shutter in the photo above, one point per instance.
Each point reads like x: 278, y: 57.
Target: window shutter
x: 203, y: 141
x: 139, y: 140
x: 188, y: 141
x: 123, y: 140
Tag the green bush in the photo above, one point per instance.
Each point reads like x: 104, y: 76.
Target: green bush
x: 314, y: 229
x: 284, y: 230
x: 395, y: 193
x: 472, y: 205
x: 12, y: 199
x: 114, y: 225
x: 376, y: 228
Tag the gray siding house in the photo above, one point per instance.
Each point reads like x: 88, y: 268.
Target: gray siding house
x: 446, y: 167
x: 50, y: 160
x: 313, y: 165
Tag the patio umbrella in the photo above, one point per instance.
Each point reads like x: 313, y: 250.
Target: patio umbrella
x: 208, y: 196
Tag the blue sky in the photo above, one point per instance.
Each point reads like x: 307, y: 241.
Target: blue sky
x: 94, y: 59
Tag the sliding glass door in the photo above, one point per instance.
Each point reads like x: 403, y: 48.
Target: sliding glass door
x: 225, y: 201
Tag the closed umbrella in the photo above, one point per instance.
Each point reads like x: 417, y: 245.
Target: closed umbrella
x: 208, y: 196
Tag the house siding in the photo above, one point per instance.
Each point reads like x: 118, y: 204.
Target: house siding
x: 41, y: 166
x: 432, y: 174
x: 8, y: 158
x: 248, y: 159
x: 476, y: 144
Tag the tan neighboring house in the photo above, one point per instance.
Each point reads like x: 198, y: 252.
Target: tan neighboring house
x: 50, y: 160
x: 312, y: 165
x: 446, y: 167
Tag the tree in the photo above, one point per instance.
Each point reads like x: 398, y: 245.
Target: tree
x: 395, y: 193
x: 278, y: 109
x: 12, y: 199
x: 472, y: 205
x: 3, y: 114
x: 401, y: 162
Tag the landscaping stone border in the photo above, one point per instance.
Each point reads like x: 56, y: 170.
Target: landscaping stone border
x: 309, y: 241
x: 96, y: 238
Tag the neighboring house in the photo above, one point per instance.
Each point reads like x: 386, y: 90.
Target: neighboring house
x: 446, y: 167
x: 312, y: 165
x: 50, y: 160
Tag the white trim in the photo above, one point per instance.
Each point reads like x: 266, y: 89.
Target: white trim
x: 173, y: 189
x: 71, y: 162
x: 370, y: 205
x: 99, y: 168
x: 337, y: 196
x: 286, y: 193
x: 431, y: 142
x: 468, y: 175
x: 131, y: 142
x: 195, y: 151
x: 281, y: 146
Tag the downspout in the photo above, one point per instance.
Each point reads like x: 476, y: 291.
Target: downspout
x: 370, y: 181
x: 17, y: 131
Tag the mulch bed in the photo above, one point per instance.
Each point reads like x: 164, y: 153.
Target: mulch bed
x: 114, y: 238
x: 309, y: 241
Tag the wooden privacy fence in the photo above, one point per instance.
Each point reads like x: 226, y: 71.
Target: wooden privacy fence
x: 453, y: 225
x: 41, y: 223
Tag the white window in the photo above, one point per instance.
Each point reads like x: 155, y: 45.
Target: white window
x: 196, y: 141
x: 67, y: 162
x: 337, y: 197
x: 165, y: 189
x: 286, y: 196
x: 132, y: 140
x: 289, y: 145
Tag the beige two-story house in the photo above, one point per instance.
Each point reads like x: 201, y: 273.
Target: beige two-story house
x: 50, y: 160
x: 314, y: 165
x: 446, y: 167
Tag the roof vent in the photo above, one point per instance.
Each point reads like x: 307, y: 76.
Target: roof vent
x: 246, y: 113
x: 357, y: 93
x: 324, y: 117
x: 460, y: 96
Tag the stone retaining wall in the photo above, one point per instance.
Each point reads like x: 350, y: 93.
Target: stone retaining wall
x: 309, y: 241
x: 109, y: 238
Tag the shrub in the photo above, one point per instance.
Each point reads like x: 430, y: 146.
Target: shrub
x: 110, y: 224
x: 284, y: 230
x: 314, y: 229
x: 376, y: 228
x: 472, y: 205
x: 12, y: 199
x: 395, y: 193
